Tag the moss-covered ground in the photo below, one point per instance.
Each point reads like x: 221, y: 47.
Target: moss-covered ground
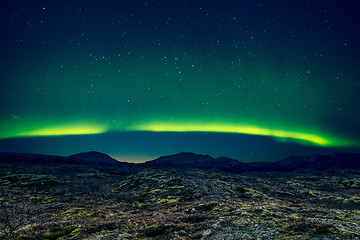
x: 79, y: 201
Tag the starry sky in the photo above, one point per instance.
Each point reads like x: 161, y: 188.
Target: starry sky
x: 253, y: 80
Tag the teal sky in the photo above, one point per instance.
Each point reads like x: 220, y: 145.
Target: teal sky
x: 90, y: 67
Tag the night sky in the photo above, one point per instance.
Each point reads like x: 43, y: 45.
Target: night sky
x: 252, y: 80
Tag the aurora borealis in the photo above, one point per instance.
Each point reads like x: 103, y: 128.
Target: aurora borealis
x: 267, y: 71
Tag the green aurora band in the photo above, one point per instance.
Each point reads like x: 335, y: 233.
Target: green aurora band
x: 244, y: 101
x: 302, y: 137
x: 280, y: 134
x: 254, y: 72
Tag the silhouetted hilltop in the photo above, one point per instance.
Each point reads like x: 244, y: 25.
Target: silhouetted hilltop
x: 26, y: 158
x: 317, y: 162
x: 192, y: 160
x: 94, y: 157
x: 198, y: 161
x: 85, y: 158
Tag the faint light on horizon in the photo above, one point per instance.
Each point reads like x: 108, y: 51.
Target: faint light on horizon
x: 132, y: 158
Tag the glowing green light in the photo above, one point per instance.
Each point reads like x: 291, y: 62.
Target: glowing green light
x: 80, y: 128
x: 58, y: 130
x: 302, y: 137
x: 65, y: 130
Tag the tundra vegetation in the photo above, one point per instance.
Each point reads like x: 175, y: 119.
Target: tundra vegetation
x: 60, y: 200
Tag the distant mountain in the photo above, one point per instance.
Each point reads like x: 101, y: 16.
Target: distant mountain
x: 19, y: 158
x: 192, y: 160
x: 15, y: 155
x: 206, y: 162
x: 86, y: 158
x: 319, y: 162
x: 93, y: 157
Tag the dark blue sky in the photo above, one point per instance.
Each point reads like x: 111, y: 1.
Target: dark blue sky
x: 266, y: 79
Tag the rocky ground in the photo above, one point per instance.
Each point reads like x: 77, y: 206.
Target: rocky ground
x: 82, y: 201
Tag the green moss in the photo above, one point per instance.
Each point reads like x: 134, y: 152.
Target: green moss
x: 293, y: 236
x: 4, y: 182
x: 143, y: 206
x: 86, y: 174
x: 347, y: 234
x: 256, y: 194
x: 128, y: 226
x: 154, y: 191
x: 350, y: 183
x: 293, y: 216
x: 355, y: 199
x: 47, y: 200
x: 167, y: 200
x: 225, y: 183
x: 76, y: 212
x: 59, y: 232
x: 30, y: 180
x: 121, y: 185
x: 314, y: 193
x: 77, y: 232
x: 219, y: 207
x: 246, y: 214
x: 177, y: 187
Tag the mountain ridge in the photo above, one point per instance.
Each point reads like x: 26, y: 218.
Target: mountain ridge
x: 91, y: 157
x: 312, y: 161
x: 198, y: 161
x: 94, y: 157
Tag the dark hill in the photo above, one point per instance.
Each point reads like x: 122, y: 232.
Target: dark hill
x: 317, y: 162
x: 26, y: 158
x: 94, y: 157
x: 192, y: 160
x: 84, y: 158
x: 205, y: 162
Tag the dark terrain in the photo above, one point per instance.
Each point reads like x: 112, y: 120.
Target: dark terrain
x: 183, y: 196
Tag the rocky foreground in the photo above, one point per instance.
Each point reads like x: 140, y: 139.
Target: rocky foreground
x: 75, y: 200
